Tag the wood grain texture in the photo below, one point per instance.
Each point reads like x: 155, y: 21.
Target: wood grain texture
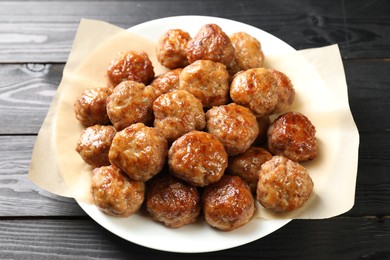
x: 84, y: 239
x: 43, y: 31
x: 18, y: 195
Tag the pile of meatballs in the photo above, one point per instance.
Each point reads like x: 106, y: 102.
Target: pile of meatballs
x: 197, y: 140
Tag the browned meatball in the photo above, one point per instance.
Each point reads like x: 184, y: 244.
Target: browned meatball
x: 167, y: 82
x: 211, y: 43
x: 228, y: 204
x: 140, y: 151
x: 255, y: 89
x: 131, y: 102
x: 172, y: 202
x: 234, y: 125
x: 286, y: 92
x: 206, y: 80
x: 263, y: 123
x: 284, y: 185
x: 94, y: 144
x: 293, y: 136
x: 198, y: 158
x: 90, y: 107
x: 171, y: 48
x: 248, y: 53
x: 177, y: 113
x: 130, y: 65
x: 248, y: 164
x: 114, y: 193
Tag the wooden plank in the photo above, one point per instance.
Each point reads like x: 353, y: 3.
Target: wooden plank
x: 341, y: 238
x: 43, y: 31
x: 18, y: 195
x: 26, y: 91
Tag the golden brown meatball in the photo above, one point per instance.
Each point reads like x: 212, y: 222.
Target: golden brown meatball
x: 90, y: 107
x: 234, y: 125
x: 177, y: 113
x: 139, y: 151
x: 114, y: 193
x: 284, y: 185
x: 130, y: 102
x: 228, y: 204
x: 210, y: 43
x: 255, y: 89
x: 94, y: 144
x: 171, y: 48
x: 130, y: 65
x: 248, y: 53
x: 172, y: 202
x: 293, y: 136
x: 198, y: 158
x: 167, y: 81
x: 207, y: 81
x: 247, y: 165
x: 286, y: 92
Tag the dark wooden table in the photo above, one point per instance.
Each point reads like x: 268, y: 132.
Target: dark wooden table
x: 35, y: 40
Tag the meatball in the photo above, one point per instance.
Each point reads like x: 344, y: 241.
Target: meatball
x: 234, y: 125
x: 139, y: 151
x: 131, y: 102
x: 206, y: 80
x: 284, y: 185
x: 130, y: 65
x: 293, y: 136
x: 255, y: 89
x: 248, y: 53
x: 90, y: 107
x: 228, y: 204
x: 248, y: 164
x: 167, y: 82
x: 172, y: 202
x: 94, y: 144
x: 115, y: 193
x: 171, y: 48
x: 286, y: 92
x: 211, y: 43
x: 198, y: 158
x: 177, y: 113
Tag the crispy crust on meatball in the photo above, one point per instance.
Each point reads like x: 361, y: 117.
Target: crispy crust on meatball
x: 284, y: 185
x: 114, y: 193
x: 248, y: 53
x: 207, y: 81
x: 293, y: 136
x: 171, y: 48
x: 139, y: 151
x: 177, y: 113
x: 94, y: 144
x: 211, y: 43
x: 234, y: 125
x: 167, y: 81
x: 172, y: 202
x: 228, y: 204
x: 286, y: 91
x: 255, y: 89
x: 130, y: 102
x: 90, y: 107
x: 130, y: 65
x: 248, y: 164
x: 198, y: 158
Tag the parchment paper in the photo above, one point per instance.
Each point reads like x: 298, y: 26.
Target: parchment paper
x: 57, y: 168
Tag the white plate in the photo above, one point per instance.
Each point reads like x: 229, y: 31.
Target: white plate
x: 199, y: 237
